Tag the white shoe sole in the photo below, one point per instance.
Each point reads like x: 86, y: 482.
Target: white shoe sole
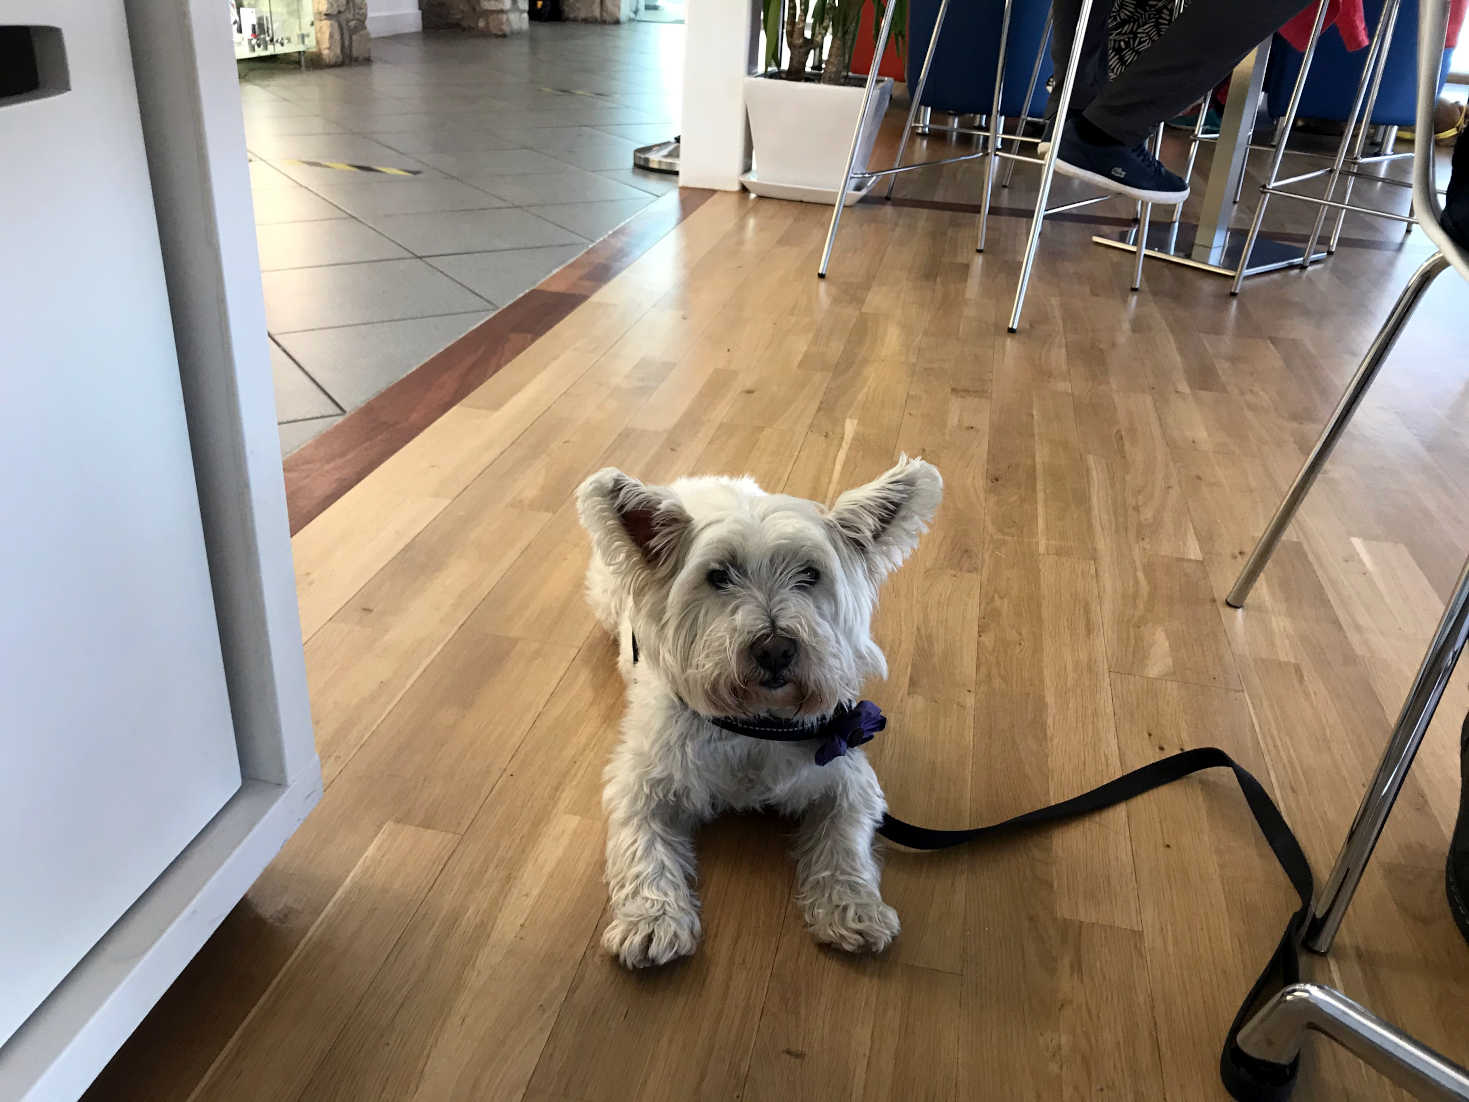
x: 1168, y: 198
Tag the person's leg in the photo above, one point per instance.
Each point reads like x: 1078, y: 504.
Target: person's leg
x: 1196, y: 52
x: 1456, y: 222
x: 1456, y: 877
x: 1091, y: 69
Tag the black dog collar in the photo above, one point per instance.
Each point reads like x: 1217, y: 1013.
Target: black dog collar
x: 849, y: 726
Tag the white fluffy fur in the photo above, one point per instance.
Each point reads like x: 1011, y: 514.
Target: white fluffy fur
x: 653, y: 551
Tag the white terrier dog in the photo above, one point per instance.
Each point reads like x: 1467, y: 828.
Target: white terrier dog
x: 737, y: 608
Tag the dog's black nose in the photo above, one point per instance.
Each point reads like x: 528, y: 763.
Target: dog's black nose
x: 774, y: 654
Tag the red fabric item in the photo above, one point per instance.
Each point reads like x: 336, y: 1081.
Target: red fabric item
x: 1352, y: 24
x: 866, y: 46
x: 1346, y: 15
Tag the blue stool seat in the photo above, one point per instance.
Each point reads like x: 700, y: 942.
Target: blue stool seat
x: 961, y: 78
x: 1335, y: 73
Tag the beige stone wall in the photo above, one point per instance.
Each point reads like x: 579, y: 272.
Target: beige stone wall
x: 498, y: 17
x: 600, y: 11
x: 341, y: 32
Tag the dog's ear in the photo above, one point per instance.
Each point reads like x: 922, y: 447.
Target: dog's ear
x: 884, y: 519
x: 634, y: 526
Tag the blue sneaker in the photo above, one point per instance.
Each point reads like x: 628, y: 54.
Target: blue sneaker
x: 1133, y: 172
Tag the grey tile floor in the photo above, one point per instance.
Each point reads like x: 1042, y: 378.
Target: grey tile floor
x: 522, y: 154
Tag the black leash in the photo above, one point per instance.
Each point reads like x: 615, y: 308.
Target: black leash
x: 1247, y: 1078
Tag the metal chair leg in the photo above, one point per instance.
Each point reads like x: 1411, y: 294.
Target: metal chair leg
x: 1371, y: 363
x: 1378, y: 46
x: 1144, y: 220
x: 917, y: 96
x: 836, y: 212
x: 1035, y: 76
x: 1428, y: 687
x: 997, y: 126
x: 1287, y: 124
x: 1278, y: 1031
x: 1239, y: 185
x: 1366, y: 124
x: 1193, y: 151
x: 1453, y: 628
x: 1048, y: 167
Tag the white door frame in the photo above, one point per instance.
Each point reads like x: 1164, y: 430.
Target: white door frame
x: 189, y: 99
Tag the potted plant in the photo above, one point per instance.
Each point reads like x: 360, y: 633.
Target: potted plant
x: 802, y: 114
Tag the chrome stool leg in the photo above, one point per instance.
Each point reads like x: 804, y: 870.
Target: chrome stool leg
x: 836, y: 211
x: 917, y: 96
x: 1048, y: 168
x: 1428, y: 687
x: 1374, y: 51
x: 996, y: 125
x: 1035, y: 76
x: 1145, y: 218
x: 1355, y: 157
x: 1278, y: 1031
x: 1244, y: 168
x: 1143, y: 223
x: 1376, y: 353
x: 1286, y: 125
x: 1193, y: 151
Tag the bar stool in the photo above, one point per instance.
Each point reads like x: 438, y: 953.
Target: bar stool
x: 991, y: 146
x: 1350, y: 161
x: 1278, y: 1029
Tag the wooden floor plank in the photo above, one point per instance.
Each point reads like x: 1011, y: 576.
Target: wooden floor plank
x: 293, y: 1024
x: 433, y: 929
x: 1093, y: 858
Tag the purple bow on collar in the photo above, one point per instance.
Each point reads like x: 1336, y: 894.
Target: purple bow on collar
x: 848, y: 728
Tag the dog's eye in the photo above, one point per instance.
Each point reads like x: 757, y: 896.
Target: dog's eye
x: 718, y: 578
x: 807, y: 577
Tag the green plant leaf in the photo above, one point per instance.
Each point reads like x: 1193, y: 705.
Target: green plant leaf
x: 900, y: 25
x: 773, y: 22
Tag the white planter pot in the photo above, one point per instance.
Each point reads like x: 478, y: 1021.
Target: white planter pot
x: 802, y: 133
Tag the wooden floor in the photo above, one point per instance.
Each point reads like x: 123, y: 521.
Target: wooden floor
x: 432, y: 931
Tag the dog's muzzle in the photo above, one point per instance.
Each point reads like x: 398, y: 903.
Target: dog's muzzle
x: 848, y: 727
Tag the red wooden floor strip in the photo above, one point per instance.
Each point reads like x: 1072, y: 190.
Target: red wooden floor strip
x: 324, y: 469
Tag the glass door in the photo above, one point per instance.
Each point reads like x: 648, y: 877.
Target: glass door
x: 266, y: 27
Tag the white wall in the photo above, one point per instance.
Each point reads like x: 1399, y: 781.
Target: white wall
x: 386, y: 17
x: 721, y: 40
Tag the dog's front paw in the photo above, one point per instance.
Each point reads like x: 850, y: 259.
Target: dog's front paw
x: 856, y: 926
x: 641, y: 941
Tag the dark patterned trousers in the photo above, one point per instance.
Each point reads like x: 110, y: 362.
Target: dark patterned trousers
x: 1190, y: 58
